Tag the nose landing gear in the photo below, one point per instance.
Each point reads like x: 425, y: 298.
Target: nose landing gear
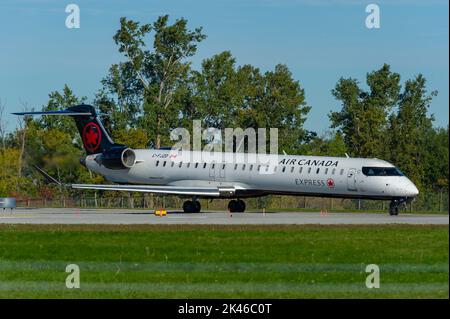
x: 393, y: 209
x: 394, y: 205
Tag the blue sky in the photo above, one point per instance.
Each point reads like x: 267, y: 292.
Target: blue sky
x: 319, y: 41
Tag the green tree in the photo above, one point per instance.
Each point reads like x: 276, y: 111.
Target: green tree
x: 436, y: 159
x: 161, y: 71
x: 120, y: 98
x: 61, y: 101
x: 411, y: 130
x: 224, y: 95
x: 53, y: 143
x: 132, y: 137
x: 9, y: 181
x: 283, y: 106
x: 329, y: 144
x: 363, y: 116
x: 216, y: 94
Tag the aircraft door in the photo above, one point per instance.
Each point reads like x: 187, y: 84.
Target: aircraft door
x: 351, y: 180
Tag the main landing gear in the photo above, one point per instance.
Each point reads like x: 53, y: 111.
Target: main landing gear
x: 236, y: 206
x: 192, y: 206
x: 394, y: 205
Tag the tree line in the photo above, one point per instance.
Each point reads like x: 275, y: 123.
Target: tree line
x: 155, y: 89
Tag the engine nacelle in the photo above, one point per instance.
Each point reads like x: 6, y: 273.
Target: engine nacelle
x: 117, y: 158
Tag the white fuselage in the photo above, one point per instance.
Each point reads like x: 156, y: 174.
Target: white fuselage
x: 287, y: 174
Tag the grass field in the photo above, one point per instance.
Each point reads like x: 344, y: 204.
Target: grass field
x: 177, y: 261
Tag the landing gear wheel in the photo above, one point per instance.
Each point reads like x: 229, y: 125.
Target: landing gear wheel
x: 240, y: 206
x: 236, y: 206
x: 189, y: 207
x: 198, y: 207
x: 232, y: 206
x: 393, y: 208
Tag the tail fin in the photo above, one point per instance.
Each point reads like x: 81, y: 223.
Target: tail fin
x: 93, y: 134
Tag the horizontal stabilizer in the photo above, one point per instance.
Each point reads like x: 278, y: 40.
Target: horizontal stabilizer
x: 62, y: 112
x: 93, y: 134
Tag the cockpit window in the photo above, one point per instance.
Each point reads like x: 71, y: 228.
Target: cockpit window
x: 381, y: 171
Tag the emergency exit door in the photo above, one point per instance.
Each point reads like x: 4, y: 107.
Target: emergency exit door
x: 351, y: 179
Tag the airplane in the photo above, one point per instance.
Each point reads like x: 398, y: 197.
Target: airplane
x: 162, y: 171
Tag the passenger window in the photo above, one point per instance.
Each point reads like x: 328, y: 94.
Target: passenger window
x: 292, y: 169
x: 326, y: 170
x: 333, y: 171
x: 157, y: 163
x: 172, y: 164
x: 342, y: 171
x: 259, y: 168
x: 251, y: 167
x: 196, y: 165
x: 181, y: 163
x: 275, y: 169
x: 284, y: 169
x: 204, y: 165
x: 213, y: 165
x: 243, y: 166
x: 317, y: 171
x: 300, y: 170
x: 309, y: 170
x: 223, y: 166
x: 164, y: 163
x: 267, y: 168
x: 188, y: 165
x: 235, y: 166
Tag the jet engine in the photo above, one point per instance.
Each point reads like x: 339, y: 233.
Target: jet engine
x: 120, y: 157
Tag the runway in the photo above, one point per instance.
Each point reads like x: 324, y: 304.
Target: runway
x: 117, y: 216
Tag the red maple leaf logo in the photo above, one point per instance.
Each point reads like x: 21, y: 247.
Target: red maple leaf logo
x: 91, y: 137
x: 330, y: 183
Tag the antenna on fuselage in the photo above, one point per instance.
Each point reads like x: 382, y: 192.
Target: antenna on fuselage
x: 346, y: 155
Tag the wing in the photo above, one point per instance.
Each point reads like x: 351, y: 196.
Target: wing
x: 168, y: 190
x: 172, y: 190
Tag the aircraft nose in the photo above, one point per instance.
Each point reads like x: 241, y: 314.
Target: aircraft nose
x: 412, y: 190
